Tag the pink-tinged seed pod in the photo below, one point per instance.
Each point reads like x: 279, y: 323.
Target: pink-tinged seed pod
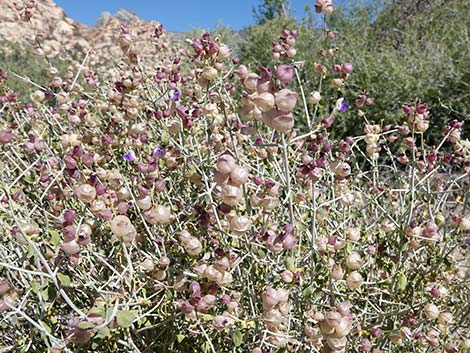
x: 164, y: 261
x: 240, y: 224
x: 221, y: 322
x: 251, y: 82
x: 239, y: 176
x: 231, y: 195
x: 431, y: 311
x: 289, y: 242
x: 286, y: 100
x: 341, y: 169
x: 147, y: 265
x: 353, y: 233
x: 270, y: 297
x: 86, y: 193
x: 337, y: 273
x: 354, y: 261
x: 354, y: 280
x: 347, y: 68
x: 287, y: 276
x: 144, y: 203
x: 222, y: 264
x: 226, y: 163
x: 241, y: 72
x: 6, y: 136
x: 221, y: 178
x: 285, y: 73
x: 315, y: 97
x: 162, y: 214
x: 223, y: 53
x: 70, y: 248
x: 279, y: 120
x: 193, y: 246
x: 206, y: 303
x: 123, y: 229
x: 264, y: 101
x: 4, y: 285
x: 209, y: 73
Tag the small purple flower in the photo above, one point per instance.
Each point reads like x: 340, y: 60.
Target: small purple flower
x: 129, y: 156
x: 159, y: 151
x: 344, y: 107
x: 175, y: 95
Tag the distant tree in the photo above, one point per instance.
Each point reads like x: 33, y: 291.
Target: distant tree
x: 270, y: 9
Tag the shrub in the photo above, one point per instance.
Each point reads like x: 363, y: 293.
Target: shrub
x: 166, y: 211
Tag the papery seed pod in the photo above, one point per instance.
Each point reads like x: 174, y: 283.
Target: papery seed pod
x: 354, y: 280
x: 240, y: 224
x: 226, y: 163
x: 144, y: 203
x: 315, y: 97
x: 193, y: 246
x: 222, y: 322
x: 70, y: 247
x: 86, y: 193
x: 231, y: 195
x: 209, y: 73
x: 270, y: 297
x: 431, y: 311
x: 162, y: 214
x: 250, y: 82
x: 354, y: 261
x: 239, y: 176
x: 123, y: 229
x: 353, y: 233
x: 279, y: 120
x: 264, y: 101
x: 147, y: 265
x: 286, y: 99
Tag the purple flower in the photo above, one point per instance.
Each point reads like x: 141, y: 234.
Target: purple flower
x: 159, y: 151
x: 344, y: 107
x: 129, y: 156
x: 175, y: 95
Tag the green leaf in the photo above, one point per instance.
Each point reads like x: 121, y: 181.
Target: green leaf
x: 64, y: 279
x: 55, y: 237
x: 35, y: 287
x: 46, y: 326
x: 402, y: 281
x: 237, y: 338
x: 180, y: 338
x: 102, y: 332
x: 125, y: 317
x: 165, y: 138
x: 290, y: 264
x: 85, y: 325
x: 307, y: 292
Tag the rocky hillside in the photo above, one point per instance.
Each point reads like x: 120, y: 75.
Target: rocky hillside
x: 44, y: 25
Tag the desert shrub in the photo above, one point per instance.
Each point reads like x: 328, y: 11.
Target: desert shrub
x: 402, y: 50
x: 203, y: 206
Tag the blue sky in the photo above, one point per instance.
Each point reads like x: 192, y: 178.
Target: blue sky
x: 181, y: 15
